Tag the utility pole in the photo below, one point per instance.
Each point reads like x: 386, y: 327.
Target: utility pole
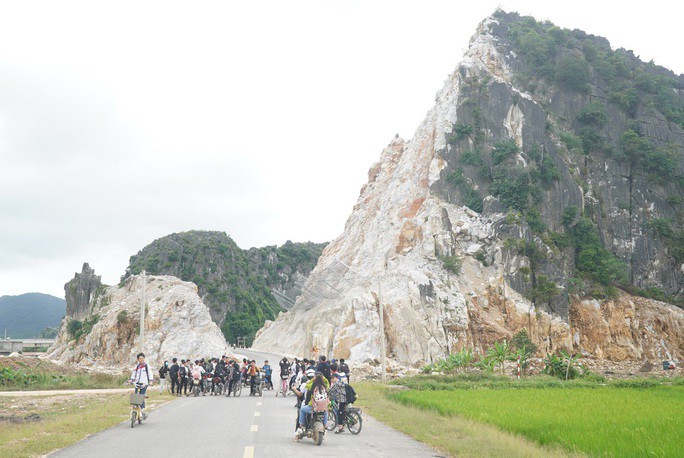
x: 142, y: 315
x: 381, y: 311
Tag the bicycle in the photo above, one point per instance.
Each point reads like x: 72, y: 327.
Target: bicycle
x: 352, y: 418
x: 137, y: 399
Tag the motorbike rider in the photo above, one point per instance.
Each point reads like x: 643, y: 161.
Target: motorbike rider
x: 319, y: 382
x: 253, y: 374
x: 142, y: 374
x: 220, y: 373
x: 234, y: 376
x: 207, y: 379
x: 267, y: 374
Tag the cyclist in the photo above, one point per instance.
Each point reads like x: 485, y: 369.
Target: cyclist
x: 338, y: 392
x: 142, y: 374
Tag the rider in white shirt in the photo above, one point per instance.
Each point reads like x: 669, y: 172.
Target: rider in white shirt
x: 142, y: 373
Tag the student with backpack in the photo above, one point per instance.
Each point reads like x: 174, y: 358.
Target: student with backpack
x: 316, y: 400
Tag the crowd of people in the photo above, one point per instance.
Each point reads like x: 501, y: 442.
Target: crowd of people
x: 310, y: 380
x: 208, y: 372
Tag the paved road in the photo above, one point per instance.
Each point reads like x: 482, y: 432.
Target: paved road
x: 238, y: 427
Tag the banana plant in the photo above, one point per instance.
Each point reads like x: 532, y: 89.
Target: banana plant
x: 570, y: 361
x: 486, y: 363
x: 499, y: 353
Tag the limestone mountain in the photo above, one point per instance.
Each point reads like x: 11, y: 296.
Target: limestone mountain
x: 106, y: 331
x: 235, y: 284
x: 543, y: 191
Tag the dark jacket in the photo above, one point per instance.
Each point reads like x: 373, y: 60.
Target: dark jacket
x: 324, y: 367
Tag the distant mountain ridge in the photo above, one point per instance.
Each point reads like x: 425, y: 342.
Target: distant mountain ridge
x: 26, y: 315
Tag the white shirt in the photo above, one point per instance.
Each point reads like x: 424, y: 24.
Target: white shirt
x: 142, y: 373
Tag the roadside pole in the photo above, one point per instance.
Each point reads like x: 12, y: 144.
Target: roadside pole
x: 381, y: 311
x: 142, y: 315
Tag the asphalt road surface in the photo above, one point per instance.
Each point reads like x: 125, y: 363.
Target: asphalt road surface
x: 238, y: 427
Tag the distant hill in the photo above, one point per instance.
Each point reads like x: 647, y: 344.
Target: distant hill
x: 28, y: 314
x: 235, y: 284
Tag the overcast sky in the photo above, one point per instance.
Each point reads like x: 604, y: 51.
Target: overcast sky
x: 120, y: 124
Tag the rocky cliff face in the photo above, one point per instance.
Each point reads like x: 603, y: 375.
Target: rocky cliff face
x: 80, y: 290
x: 177, y: 323
x: 236, y: 284
x: 548, y: 173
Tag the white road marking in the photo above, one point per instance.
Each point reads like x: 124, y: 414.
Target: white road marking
x: 257, y: 414
x: 259, y: 403
x: 249, y: 452
x: 254, y: 428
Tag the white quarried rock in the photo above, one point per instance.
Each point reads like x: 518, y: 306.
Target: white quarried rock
x: 177, y: 323
x: 392, y: 251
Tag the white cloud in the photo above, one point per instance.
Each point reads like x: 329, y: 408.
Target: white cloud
x: 126, y: 121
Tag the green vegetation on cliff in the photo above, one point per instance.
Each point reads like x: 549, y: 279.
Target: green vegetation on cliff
x: 584, y: 128
x: 234, y: 283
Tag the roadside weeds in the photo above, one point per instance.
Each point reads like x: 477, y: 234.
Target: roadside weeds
x: 65, y: 421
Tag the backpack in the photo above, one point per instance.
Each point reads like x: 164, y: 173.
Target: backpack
x: 319, y: 399
x: 350, y: 394
x: 183, y: 372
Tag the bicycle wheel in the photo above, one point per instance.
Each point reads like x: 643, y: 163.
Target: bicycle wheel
x: 168, y: 387
x: 354, y: 421
x: 332, y: 419
x: 237, y: 390
x: 133, y: 417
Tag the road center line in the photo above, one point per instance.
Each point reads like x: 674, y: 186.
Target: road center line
x: 259, y: 403
x: 254, y: 429
x: 249, y: 452
x: 257, y: 414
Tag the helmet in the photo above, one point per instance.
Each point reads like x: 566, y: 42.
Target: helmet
x: 311, y: 373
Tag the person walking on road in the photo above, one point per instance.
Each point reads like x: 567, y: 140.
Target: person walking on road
x: 142, y: 374
x: 162, y: 376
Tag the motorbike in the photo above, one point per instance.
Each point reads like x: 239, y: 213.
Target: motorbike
x: 258, y: 389
x: 314, y: 428
x: 217, y: 386
x: 196, y: 386
x: 206, y: 383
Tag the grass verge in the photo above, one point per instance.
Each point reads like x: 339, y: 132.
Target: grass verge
x: 452, y: 435
x: 22, y: 374
x: 62, y: 421
x: 606, y: 421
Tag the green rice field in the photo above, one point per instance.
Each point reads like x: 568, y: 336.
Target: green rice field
x: 621, y: 421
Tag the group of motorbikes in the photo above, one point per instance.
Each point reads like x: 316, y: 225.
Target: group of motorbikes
x: 217, y: 385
